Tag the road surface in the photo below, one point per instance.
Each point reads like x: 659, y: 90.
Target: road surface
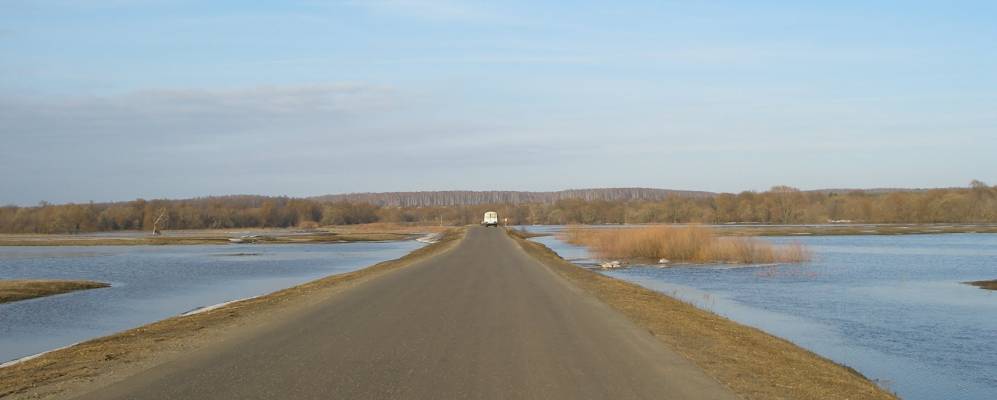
x: 482, y: 321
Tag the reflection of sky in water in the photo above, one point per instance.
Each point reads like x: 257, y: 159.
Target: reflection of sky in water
x: 893, y: 307
x: 150, y: 283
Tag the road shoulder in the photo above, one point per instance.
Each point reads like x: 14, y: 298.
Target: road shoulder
x: 752, y: 363
x: 99, y: 362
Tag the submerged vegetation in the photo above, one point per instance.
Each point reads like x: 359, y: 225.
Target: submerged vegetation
x: 780, y: 205
x: 695, y: 244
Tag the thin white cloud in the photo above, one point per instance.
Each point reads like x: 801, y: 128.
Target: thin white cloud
x: 191, y: 111
x: 265, y: 99
x: 426, y: 9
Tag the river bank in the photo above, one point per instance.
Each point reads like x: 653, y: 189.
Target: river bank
x: 104, y: 360
x: 897, y: 308
x: 754, y: 364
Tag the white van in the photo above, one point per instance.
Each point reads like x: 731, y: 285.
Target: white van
x: 491, y: 219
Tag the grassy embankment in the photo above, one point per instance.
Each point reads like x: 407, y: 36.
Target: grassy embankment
x: 752, y: 363
x: 104, y: 360
x: 684, y: 244
x: 14, y: 290
x: 332, y: 234
x: 989, y: 285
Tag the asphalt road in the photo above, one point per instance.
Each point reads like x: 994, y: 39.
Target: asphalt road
x: 482, y: 321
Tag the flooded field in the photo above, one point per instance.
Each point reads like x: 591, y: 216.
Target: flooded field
x: 150, y: 283
x: 892, y: 307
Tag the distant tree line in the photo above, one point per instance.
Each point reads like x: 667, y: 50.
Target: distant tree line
x: 780, y: 205
x: 467, y: 197
x: 203, y: 213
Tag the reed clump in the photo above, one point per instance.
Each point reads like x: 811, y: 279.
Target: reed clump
x: 692, y: 244
x: 989, y: 285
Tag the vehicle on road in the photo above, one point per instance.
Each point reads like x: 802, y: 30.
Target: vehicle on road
x: 491, y: 219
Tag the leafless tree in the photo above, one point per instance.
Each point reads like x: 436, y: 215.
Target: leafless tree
x: 162, y: 218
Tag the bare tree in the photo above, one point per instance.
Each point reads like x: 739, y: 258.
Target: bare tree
x: 162, y: 218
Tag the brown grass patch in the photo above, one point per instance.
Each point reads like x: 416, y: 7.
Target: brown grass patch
x: 694, y: 244
x: 14, y: 290
x: 754, y: 364
x: 989, y: 285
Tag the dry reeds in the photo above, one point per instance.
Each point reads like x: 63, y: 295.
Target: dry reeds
x: 695, y: 244
x: 989, y: 285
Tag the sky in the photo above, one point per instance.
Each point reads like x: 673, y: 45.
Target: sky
x: 106, y: 100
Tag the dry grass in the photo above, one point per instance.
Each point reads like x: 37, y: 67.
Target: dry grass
x: 104, y: 360
x: 989, y: 285
x: 694, y: 244
x: 754, y: 364
x: 14, y: 290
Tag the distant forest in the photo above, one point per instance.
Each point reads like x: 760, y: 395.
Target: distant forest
x: 780, y: 205
x: 468, y: 198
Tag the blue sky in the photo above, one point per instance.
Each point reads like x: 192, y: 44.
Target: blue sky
x: 113, y: 100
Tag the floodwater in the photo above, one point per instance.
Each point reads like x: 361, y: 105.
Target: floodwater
x: 150, y: 283
x: 892, y: 307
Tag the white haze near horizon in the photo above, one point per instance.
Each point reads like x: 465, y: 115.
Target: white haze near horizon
x: 107, y: 100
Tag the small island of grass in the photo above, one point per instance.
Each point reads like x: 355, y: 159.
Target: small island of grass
x: 683, y: 244
x: 989, y: 285
x: 23, y: 289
